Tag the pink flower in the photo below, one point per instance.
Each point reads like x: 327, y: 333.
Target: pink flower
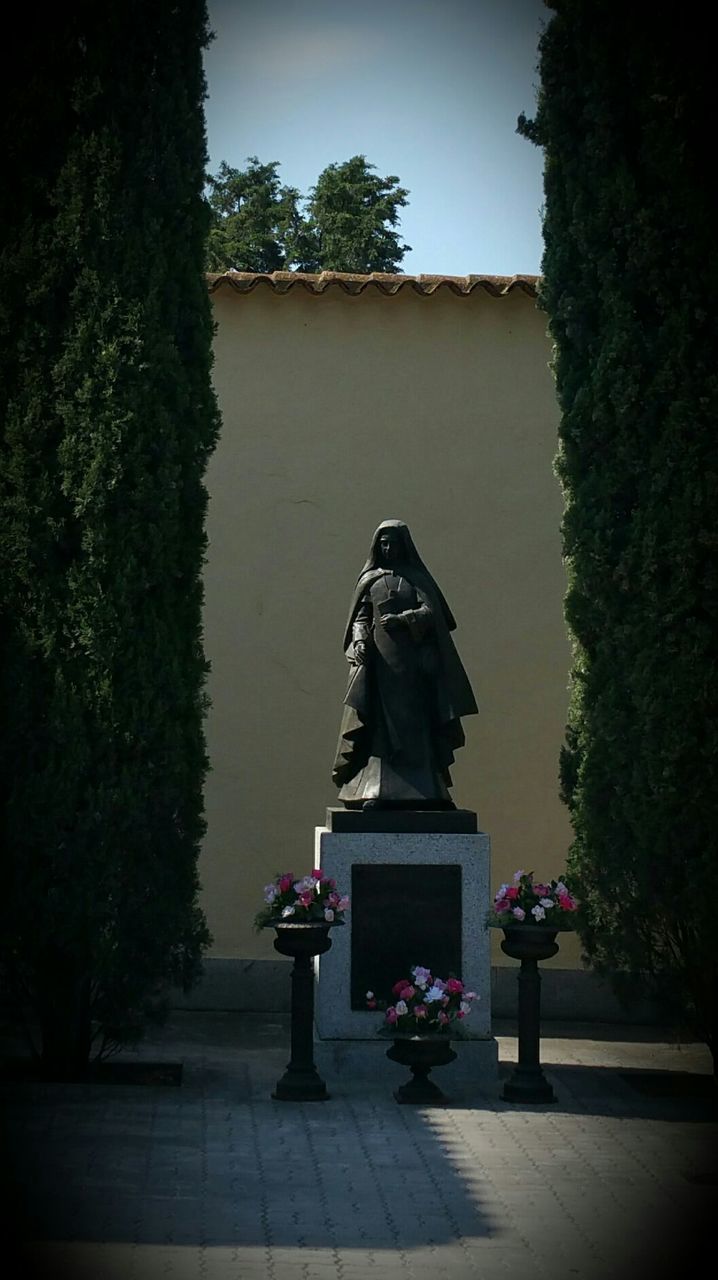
x: 399, y: 986
x: 391, y: 1015
x: 306, y: 898
x: 519, y: 913
x: 343, y: 904
x: 454, y: 986
x: 566, y: 902
x: 504, y: 905
x: 442, y: 1018
x: 333, y: 899
x: 317, y: 873
x: 420, y: 1011
x: 371, y: 1004
x: 542, y: 890
x: 470, y: 995
x: 460, y: 1014
x: 512, y: 893
x: 286, y: 882
x: 407, y: 993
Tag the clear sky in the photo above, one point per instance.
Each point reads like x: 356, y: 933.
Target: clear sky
x: 428, y: 90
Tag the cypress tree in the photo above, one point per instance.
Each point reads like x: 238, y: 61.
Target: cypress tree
x: 630, y: 272
x: 108, y: 419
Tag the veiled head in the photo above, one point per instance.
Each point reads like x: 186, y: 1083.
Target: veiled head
x: 392, y: 544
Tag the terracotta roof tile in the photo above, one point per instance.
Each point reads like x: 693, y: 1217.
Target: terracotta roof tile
x: 349, y: 282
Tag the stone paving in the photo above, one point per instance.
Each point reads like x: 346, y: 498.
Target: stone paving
x: 215, y: 1181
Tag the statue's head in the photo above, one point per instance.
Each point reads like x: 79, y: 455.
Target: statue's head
x: 392, y: 544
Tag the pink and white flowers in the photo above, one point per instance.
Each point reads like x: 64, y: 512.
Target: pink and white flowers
x: 310, y: 899
x: 425, y: 1004
x: 527, y: 902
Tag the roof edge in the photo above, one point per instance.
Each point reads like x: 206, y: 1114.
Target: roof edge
x: 355, y: 283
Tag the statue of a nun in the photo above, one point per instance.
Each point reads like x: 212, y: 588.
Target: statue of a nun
x: 407, y: 687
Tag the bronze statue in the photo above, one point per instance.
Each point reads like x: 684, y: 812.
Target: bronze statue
x: 407, y: 687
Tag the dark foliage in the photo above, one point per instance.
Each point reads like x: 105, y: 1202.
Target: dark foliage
x: 630, y: 274
x: 107, y: 419
x: 348, y: 223
x: 255, y: 220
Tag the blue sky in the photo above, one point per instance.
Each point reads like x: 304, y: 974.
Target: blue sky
x: 428, y: 90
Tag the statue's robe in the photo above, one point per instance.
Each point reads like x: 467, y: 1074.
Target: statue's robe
x: 402, y: 711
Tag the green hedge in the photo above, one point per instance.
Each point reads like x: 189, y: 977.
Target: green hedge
x: 108, y: 419
x: 630, y: 274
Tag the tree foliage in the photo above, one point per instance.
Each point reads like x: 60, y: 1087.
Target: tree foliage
x: 254, y: 218
x: 348, y: 223
x: 630, y: 271
x: 108, y: 419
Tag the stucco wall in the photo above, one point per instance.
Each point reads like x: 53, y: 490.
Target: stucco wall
x: 339, y: 412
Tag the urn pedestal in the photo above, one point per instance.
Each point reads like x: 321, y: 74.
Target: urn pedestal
x: 301, y: 1081
x: 529, y: 943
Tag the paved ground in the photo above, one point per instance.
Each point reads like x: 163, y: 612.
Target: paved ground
x: 215, y: 1181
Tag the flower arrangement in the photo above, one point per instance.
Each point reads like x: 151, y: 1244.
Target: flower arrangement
x: 424, y: 1004
x: 312, y: 899
x: 528, y: 902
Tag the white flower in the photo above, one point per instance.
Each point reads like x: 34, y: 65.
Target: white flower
x: 434, y: 993
x: 301, y: 886
x: 547, y: 902
x: 538, y: 913
x: 500, y: 892
x: 401, y: 1008
x: 560, y: 887
x: 518, y: 875
x: 421, y: 976
x: 270, y: 892
x: 370, y: 995
x: 465, y: 1007
x: 328, y: 915
x: 288, y: 911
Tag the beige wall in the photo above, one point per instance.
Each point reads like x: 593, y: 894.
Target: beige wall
x: 339, y: 412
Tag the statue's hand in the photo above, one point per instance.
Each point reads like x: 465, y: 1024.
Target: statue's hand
x: 391, y: 621
x: 360, y: 652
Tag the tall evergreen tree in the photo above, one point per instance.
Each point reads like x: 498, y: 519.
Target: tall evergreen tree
x: 630, y: 273
x: 253, y: 218
x: 107, y: 419
x: 351, y: 216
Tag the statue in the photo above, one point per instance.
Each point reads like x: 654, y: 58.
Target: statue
x: 407, y: 687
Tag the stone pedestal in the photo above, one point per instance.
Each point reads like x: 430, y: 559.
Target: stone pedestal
x: 418, y: 897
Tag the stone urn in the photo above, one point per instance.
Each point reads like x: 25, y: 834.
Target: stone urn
x: 421, y: 1053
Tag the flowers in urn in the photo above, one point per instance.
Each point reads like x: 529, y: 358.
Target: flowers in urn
x: 312, y: 899
x: 529, y: 902
x: 424, y: 1004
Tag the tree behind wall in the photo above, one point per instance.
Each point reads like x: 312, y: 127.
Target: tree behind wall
x: 253, y: 218
x: 351, y: 216
x: 349, y: 222
x: 630, y: 273
x: 108, y: 419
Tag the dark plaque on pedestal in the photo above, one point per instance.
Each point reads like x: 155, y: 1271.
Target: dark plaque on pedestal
x: 403, y: 915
